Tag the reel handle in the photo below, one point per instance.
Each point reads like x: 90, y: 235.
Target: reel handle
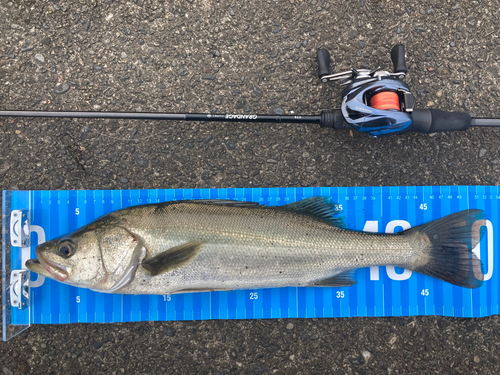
x: 398, y: 59
x: 323, y: 63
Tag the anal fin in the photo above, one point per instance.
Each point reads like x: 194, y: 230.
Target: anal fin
x: 173, y: 258
x: 342, y: 279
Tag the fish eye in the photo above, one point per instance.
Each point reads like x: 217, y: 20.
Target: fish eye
x: 66, y: 248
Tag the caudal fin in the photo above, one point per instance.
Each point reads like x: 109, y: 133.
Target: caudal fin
x: 449, y: 255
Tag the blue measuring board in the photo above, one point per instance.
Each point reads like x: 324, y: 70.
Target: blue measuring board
x: 379, y: 291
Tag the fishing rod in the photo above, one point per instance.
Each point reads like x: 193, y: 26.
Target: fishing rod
x: 375, y: 102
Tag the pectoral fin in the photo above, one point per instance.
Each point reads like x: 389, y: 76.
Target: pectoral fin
x: 173, y: 258
x: 343, y: 279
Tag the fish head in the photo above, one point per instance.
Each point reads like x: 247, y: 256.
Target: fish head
x: 73, y: 259
x: 96, y: 256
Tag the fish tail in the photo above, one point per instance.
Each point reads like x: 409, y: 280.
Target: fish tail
x: 448, y: 244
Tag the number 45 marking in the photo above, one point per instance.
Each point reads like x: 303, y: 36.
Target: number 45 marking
x: 425, y: 292
x: 423, y: 206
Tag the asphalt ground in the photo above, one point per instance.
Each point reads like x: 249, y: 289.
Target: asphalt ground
x: 243, y: 57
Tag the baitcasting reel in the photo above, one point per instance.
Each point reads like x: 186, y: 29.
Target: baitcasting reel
x: 375, y: 102
x: 380, y: 103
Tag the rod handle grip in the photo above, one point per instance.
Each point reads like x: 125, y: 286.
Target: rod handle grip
x: 434, y: 121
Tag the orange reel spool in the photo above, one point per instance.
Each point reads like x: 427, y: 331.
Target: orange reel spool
x: 385, y: 100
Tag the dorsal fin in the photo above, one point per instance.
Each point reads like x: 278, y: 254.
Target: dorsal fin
x: 322, y: 208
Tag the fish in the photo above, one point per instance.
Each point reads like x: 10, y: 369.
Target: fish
x: 219, y: 245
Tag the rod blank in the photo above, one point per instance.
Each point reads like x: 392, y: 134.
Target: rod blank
x: 310, y: 119
x: 115, y: 115
x: 485, y: 122
x: 168, y: 116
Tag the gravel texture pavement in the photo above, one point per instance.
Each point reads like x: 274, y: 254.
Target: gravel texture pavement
x: 243, y: 57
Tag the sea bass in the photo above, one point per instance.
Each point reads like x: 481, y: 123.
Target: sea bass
x: 207, y: 245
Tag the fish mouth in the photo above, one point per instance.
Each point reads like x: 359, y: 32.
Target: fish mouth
x: 35, y: 266
x: 44, y: 266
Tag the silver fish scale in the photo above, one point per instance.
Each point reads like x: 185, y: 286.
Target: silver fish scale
x: 253, y: 247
